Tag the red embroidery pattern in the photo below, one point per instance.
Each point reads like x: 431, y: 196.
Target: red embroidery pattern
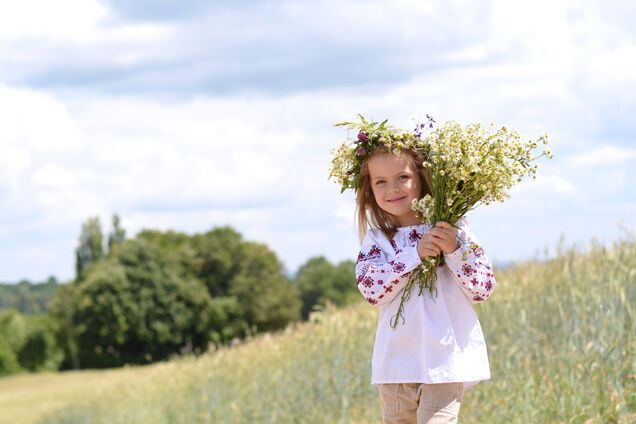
x: 374, y: 253
x: 414, y: 236
x: 398, y: 267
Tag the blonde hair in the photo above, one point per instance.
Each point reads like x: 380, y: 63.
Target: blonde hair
x: 368, y: 213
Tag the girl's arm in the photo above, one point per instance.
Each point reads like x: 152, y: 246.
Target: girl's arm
x: 470, y: 266
x: 379, y: 279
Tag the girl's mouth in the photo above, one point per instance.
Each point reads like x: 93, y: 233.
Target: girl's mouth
x: 396, y: 200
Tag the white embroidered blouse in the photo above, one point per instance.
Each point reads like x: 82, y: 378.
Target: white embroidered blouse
x: 440, y: 339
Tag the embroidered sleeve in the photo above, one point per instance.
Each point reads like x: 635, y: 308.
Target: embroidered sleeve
x: 380, y: 279
x: 470, y: 266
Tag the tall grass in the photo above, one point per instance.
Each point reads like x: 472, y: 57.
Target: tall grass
x: 561, y: 341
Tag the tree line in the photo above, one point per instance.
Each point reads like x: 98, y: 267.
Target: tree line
x: 164, y: 293
x: 27, y: 297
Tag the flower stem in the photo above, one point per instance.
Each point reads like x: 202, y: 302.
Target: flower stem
x: 424, y: 275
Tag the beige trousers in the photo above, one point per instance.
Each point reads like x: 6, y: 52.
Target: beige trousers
x: 419, y: 403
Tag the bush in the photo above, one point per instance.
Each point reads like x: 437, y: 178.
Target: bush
x: 27, y: 342
x: 320, y: 282
x: 8, y: 359
x: 40, y: 351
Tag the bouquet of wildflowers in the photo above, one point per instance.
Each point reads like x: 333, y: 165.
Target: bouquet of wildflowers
x: 467, y: 166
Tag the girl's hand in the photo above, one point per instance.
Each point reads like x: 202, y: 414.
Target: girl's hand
x: 441, y: 238
x: 427, y: 247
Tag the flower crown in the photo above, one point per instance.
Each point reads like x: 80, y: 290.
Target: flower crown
x: 348, y: 158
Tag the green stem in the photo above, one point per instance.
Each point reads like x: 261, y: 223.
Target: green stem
x: 424, y: 275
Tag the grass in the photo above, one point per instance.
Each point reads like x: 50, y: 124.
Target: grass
x: 25, y: 398
x: 561, y: 341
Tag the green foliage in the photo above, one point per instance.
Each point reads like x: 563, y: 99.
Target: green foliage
x: 164, y: 293
x: 90, y: 249
x: 226, y: 320
x: 8, y: 359
x: 61, y: 311
x: 268, y: 299
x: 117, y: 234
x: 245, y: 280
x: 27, y: 342
x: 133, y: 308
x: 13, y: 328
x: 27, y: 297
x: 13, y: 333
x: 320, y: 282
x: 40, y: 350
x: 215, y: 258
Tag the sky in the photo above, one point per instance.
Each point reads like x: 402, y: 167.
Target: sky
x: 194, y: 115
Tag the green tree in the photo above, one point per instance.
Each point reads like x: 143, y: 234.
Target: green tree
x: 133, y: 308
x: 26, y: 297
x: 13, y: 334
x: 90, y: 248
x: 216, y: 258
x: 318, y: 281
x: 13, y: 328
x: 8, y: 359
x: 163, y: 293
x: 344, y: 282
x: 40, y: 350
x: 226, y: 320
x: 202, y: 257
x: 174, y: 248
x: 62, y: 309
x: 268, y: 298
x: 117, y: 234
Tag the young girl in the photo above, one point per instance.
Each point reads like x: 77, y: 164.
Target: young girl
x: 423, y: 366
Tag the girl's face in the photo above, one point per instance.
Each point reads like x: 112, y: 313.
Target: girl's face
x: 395, y: 184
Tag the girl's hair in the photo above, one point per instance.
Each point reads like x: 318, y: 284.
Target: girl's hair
x: 368, y: 213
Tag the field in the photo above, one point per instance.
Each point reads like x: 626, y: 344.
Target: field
x: 561, y: 339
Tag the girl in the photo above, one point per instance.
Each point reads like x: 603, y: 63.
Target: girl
x: 423, y: 366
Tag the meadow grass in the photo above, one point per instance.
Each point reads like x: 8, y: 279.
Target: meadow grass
x: 27, y: 397
x: 561, y: 343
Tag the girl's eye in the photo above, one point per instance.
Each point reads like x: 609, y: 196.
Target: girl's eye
x: 379, y: 182
x: 404, y: 177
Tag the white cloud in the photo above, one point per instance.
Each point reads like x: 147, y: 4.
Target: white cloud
x: 36, y: 121
x: 603, y: 156
x: 53, y: 176
x: 555, y: 184
x: 14, y: 162
x: 79, y: 22
x: 61, y: 41
x: 71, y: 19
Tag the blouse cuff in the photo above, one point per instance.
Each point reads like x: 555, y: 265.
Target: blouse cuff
x: 454, y: 258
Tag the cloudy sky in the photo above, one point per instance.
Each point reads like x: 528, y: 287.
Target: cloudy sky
x: 191, y: 115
